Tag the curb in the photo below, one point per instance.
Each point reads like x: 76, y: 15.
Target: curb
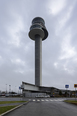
x: 13, y: 109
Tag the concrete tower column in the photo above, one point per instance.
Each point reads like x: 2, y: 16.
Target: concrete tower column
x: 38, y: 33
x: 38, y: 60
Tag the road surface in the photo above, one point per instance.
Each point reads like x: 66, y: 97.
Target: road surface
x: 45, y: 107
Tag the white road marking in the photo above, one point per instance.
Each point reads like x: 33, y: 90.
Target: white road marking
x: 38, y: 100
x: 42, y: 100
x: 55, y: 100
x: 60, y: 99
x: 51, y: 100
x: 33, y: 99
x: 46, y: 100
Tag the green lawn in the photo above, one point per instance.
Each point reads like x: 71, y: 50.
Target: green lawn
x: 6, y: 108
x: 71, y: 101
x: 8, y: 102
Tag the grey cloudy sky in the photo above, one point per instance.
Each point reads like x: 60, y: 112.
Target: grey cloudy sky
x: 59, y: 50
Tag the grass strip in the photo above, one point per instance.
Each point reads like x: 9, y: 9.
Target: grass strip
x: 9, y: 102
x: 6, y: 108
x: 71, y: 101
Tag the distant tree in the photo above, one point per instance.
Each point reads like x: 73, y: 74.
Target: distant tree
x: 60, y: 92
x: 13, y: 92
x: 66, y: 93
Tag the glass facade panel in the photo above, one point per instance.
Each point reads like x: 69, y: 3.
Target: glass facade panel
x: 35, y: 26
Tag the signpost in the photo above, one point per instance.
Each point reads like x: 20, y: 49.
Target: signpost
x: 20, y: 89
x: 66, y: 86
x: 75, y: 86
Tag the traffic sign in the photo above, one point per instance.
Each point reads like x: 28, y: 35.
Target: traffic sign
x: 19, y: 87
x: 75, y: 85
x: 66, y: 86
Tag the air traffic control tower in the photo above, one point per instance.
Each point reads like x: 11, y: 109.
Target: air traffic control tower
x: 38, y: 33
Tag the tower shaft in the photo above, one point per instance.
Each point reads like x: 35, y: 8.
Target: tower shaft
x: 38, y: 60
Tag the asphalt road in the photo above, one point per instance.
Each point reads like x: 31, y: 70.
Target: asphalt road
x: 45, y: 107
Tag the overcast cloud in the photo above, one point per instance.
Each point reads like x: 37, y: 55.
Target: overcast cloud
x: 59, y: 50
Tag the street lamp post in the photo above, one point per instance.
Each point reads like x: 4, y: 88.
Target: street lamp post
x: 6, y: 88
x: 9, y: 89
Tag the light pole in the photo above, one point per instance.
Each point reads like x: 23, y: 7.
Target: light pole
x: 6, y: 88
x: 9, y: 89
